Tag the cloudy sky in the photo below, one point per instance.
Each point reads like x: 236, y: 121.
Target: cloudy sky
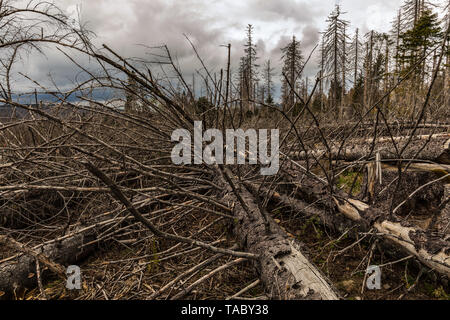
x: 124, y: 24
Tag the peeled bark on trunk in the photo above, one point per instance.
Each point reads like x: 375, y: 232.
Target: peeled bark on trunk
x: 432, y: 250
x: 284, y: 271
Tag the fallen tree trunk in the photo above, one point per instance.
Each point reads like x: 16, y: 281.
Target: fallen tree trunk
x: 280, y: 259
x: 437, y: 149
x: 55, y: 267
x: 68, y: 249
x: 393, y: 124
x: 433, y: 251
x: 284, y: 271
x: 15, y: 274
x: 442, y: 221
x: 334, y: 222
x: 442, y: 169
x: 423, y: 137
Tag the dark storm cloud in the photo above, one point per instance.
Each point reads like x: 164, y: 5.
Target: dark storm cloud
x: 283, y: 9
x: 124, y: 25
x: 310, y: 36
x: 156, y: 22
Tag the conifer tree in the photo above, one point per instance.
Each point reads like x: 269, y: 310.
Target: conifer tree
x: 335, y: 40
x: 417, y: 42
x: 268, y: 82
x: 292, y: 69
x: 396, y: 31
x: 356, y: 56
x: 250, y: 67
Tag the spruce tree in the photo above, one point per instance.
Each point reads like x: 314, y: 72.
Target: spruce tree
x: 417, y: 42
x: 268, y: 82
x: 250, y: 66
x: 292, y: 68
x: 335, y: 40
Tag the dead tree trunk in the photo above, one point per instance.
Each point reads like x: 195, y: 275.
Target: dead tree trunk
x: 285, y: 272
x: 14, y: 273
x: 436, y: 149
x: 432, y: 251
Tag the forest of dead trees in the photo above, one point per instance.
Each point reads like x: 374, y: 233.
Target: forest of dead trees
x: 364, y: 174
x: 356, y: 70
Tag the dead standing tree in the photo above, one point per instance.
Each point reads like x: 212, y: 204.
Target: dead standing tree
x: 334, y: 43
x: 293, y: 62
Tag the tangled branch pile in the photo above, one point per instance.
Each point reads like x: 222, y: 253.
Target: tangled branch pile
x: 92, y: 183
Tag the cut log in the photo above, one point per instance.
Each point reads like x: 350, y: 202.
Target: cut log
x: 284, y: 271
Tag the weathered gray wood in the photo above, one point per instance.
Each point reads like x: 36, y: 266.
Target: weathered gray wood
x: 432, y: 250
x: 437, y: 149
x: 284, y: 271
x: 14, y: 274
